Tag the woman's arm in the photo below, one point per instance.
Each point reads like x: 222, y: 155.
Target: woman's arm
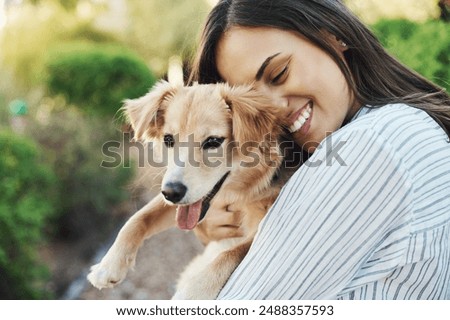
x: 328, y: 222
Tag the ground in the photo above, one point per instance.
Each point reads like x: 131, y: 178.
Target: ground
x: 158, y: 265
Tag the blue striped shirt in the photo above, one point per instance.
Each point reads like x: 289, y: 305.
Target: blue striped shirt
x: 368, y: 218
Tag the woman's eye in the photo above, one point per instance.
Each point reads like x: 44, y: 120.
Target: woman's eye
x: 169, y: 141
x: 280, y: 76
x: 212, y: 143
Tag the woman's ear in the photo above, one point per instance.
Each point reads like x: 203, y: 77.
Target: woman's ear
x: 338, y: 44
x: 253, y: 116
x: 146, y: 114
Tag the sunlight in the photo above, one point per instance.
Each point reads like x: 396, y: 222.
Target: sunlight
x: 175, y: 70
x: 212, y: 3
x: 2, y: 14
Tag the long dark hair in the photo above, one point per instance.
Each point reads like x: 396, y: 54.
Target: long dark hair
x: 375, y: 77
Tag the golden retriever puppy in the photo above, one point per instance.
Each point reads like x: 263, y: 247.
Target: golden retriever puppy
x: 219, y: 142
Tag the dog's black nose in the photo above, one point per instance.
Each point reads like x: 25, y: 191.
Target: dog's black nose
x: 174, y: 191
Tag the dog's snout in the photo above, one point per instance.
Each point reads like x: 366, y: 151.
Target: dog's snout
x: 174, y: 191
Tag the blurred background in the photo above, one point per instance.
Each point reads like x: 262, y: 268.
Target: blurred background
x: 65, y: 67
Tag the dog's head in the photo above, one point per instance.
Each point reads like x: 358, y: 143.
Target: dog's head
x: 212, y: 135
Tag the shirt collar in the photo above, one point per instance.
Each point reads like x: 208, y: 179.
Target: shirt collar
x: 361, y: 112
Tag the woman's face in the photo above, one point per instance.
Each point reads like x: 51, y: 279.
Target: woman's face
x: 298, y: 75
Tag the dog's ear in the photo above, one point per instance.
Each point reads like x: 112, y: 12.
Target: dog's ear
x: 252, y: 114
x: 146, y: 114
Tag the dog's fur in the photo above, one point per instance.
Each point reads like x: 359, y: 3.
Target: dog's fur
x: 238, y: 114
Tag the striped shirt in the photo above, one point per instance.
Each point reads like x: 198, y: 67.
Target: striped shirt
x: 367, y: 218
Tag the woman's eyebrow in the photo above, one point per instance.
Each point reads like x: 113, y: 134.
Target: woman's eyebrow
x: 261, y: 69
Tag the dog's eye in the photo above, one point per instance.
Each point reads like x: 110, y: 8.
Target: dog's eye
x: 212, y: 143
x: 169, y: 141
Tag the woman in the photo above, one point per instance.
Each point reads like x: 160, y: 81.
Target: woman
x: 368, y: 216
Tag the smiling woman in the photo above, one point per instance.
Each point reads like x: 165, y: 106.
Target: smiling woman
x: 297, y: 74
x: 375, y: 225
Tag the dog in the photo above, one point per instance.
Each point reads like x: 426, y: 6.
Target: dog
x: 222, y: 142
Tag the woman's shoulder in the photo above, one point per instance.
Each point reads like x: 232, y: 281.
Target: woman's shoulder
x: 389, y: 115
x: 397, y: 123
x: 413, y: 138
x: 406, y: 132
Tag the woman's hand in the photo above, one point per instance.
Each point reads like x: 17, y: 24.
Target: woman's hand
x: 222, y: 221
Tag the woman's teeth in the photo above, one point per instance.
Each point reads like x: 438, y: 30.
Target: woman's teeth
x: 300, y: 121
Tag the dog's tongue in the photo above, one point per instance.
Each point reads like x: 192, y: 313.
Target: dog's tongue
x: 187, y: 216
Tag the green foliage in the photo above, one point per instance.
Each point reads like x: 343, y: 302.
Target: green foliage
x: 26, y: 204
x: 423, y: 47
x: 67, y: 4
x: 393, y: 32
x: 371, y: 11
x: 97, y: 78
x: 159, y: 30
x: 25, y: 40
x: 86, y: 32
x: 72, y: 143
x: 3, y: 110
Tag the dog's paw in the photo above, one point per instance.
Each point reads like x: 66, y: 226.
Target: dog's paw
x: 107, y: 274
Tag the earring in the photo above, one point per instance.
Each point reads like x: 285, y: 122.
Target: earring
x: 342, y: 43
